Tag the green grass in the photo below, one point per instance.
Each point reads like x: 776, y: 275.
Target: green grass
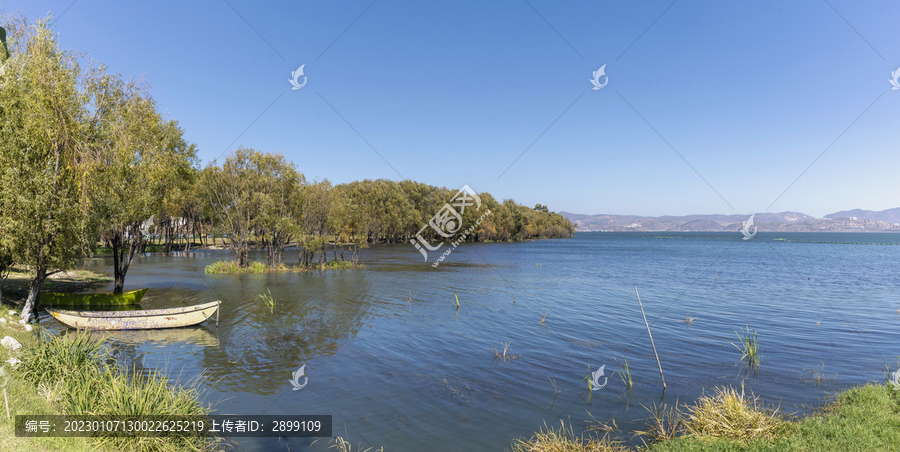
x: 73, y: 374
x: 749, y: 347
x: 232, y: 268
x: 865, y: 418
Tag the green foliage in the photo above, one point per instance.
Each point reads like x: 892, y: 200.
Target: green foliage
x: 71, y: 372
x: 45, y: 219
x: 57, y: 357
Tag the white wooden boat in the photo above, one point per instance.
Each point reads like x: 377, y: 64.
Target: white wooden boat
x: 136, y: 320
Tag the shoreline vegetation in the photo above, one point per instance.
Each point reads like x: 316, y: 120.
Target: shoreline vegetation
x: 861, y: 418
x: 77, y: 374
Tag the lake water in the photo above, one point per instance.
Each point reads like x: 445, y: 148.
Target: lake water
x: 389, y: 356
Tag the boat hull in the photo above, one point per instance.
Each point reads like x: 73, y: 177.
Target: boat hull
x: 136, y: 320
x: 92, y: 299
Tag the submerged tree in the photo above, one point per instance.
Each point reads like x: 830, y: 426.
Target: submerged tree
x: 233, y: 194
x: 279, y: 183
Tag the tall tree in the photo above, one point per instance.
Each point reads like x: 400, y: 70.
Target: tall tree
x: 233, y: 194
x: 136, y: 158
x: 279, y: 182
x: 46, y: 217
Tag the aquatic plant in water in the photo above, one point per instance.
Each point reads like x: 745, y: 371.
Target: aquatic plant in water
x: 749, y: 347
x: 268, y: 299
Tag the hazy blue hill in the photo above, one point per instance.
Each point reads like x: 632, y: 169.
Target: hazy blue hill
x: 780, y: 221
x: 889, y: 215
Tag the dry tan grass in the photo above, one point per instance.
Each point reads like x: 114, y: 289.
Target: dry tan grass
x: 729, y: 414
x: 665, y: 423
x: 343, y: 445
x: 563, y: 439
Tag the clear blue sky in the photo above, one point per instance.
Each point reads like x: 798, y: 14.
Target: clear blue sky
x: 451, y: 93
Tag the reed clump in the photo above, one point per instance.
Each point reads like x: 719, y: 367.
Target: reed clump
x: 563, y: 439
x: 268, y: 300
x: 749, y: 347
x: 730, y: 414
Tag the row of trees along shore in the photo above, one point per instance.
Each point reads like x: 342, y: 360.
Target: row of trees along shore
x: 87, y: 159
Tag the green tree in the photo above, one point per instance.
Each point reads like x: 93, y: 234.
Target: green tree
x: 276, y: 223
x: 46, y: 219
x: 137, y: 158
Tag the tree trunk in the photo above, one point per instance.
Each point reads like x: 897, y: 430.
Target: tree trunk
x: 36, y: 283
x: 242, y: 254
x: 121, y: 260
x: 168, y: 239
x: 270, y: 251
x: 189, y: 234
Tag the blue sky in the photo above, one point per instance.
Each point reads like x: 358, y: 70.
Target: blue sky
x: 451, y: 93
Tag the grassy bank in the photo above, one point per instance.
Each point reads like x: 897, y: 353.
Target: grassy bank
x: 16, y: 286
x: 76, y: 374
x: 865, y: 418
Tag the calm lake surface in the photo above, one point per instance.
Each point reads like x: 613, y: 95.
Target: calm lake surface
x: 396, y: 365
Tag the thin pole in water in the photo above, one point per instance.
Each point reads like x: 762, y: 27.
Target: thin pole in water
x: 651, y: 338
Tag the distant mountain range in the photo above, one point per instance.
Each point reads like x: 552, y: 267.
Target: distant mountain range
x: 890, y: 215
x: 846, y: 221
